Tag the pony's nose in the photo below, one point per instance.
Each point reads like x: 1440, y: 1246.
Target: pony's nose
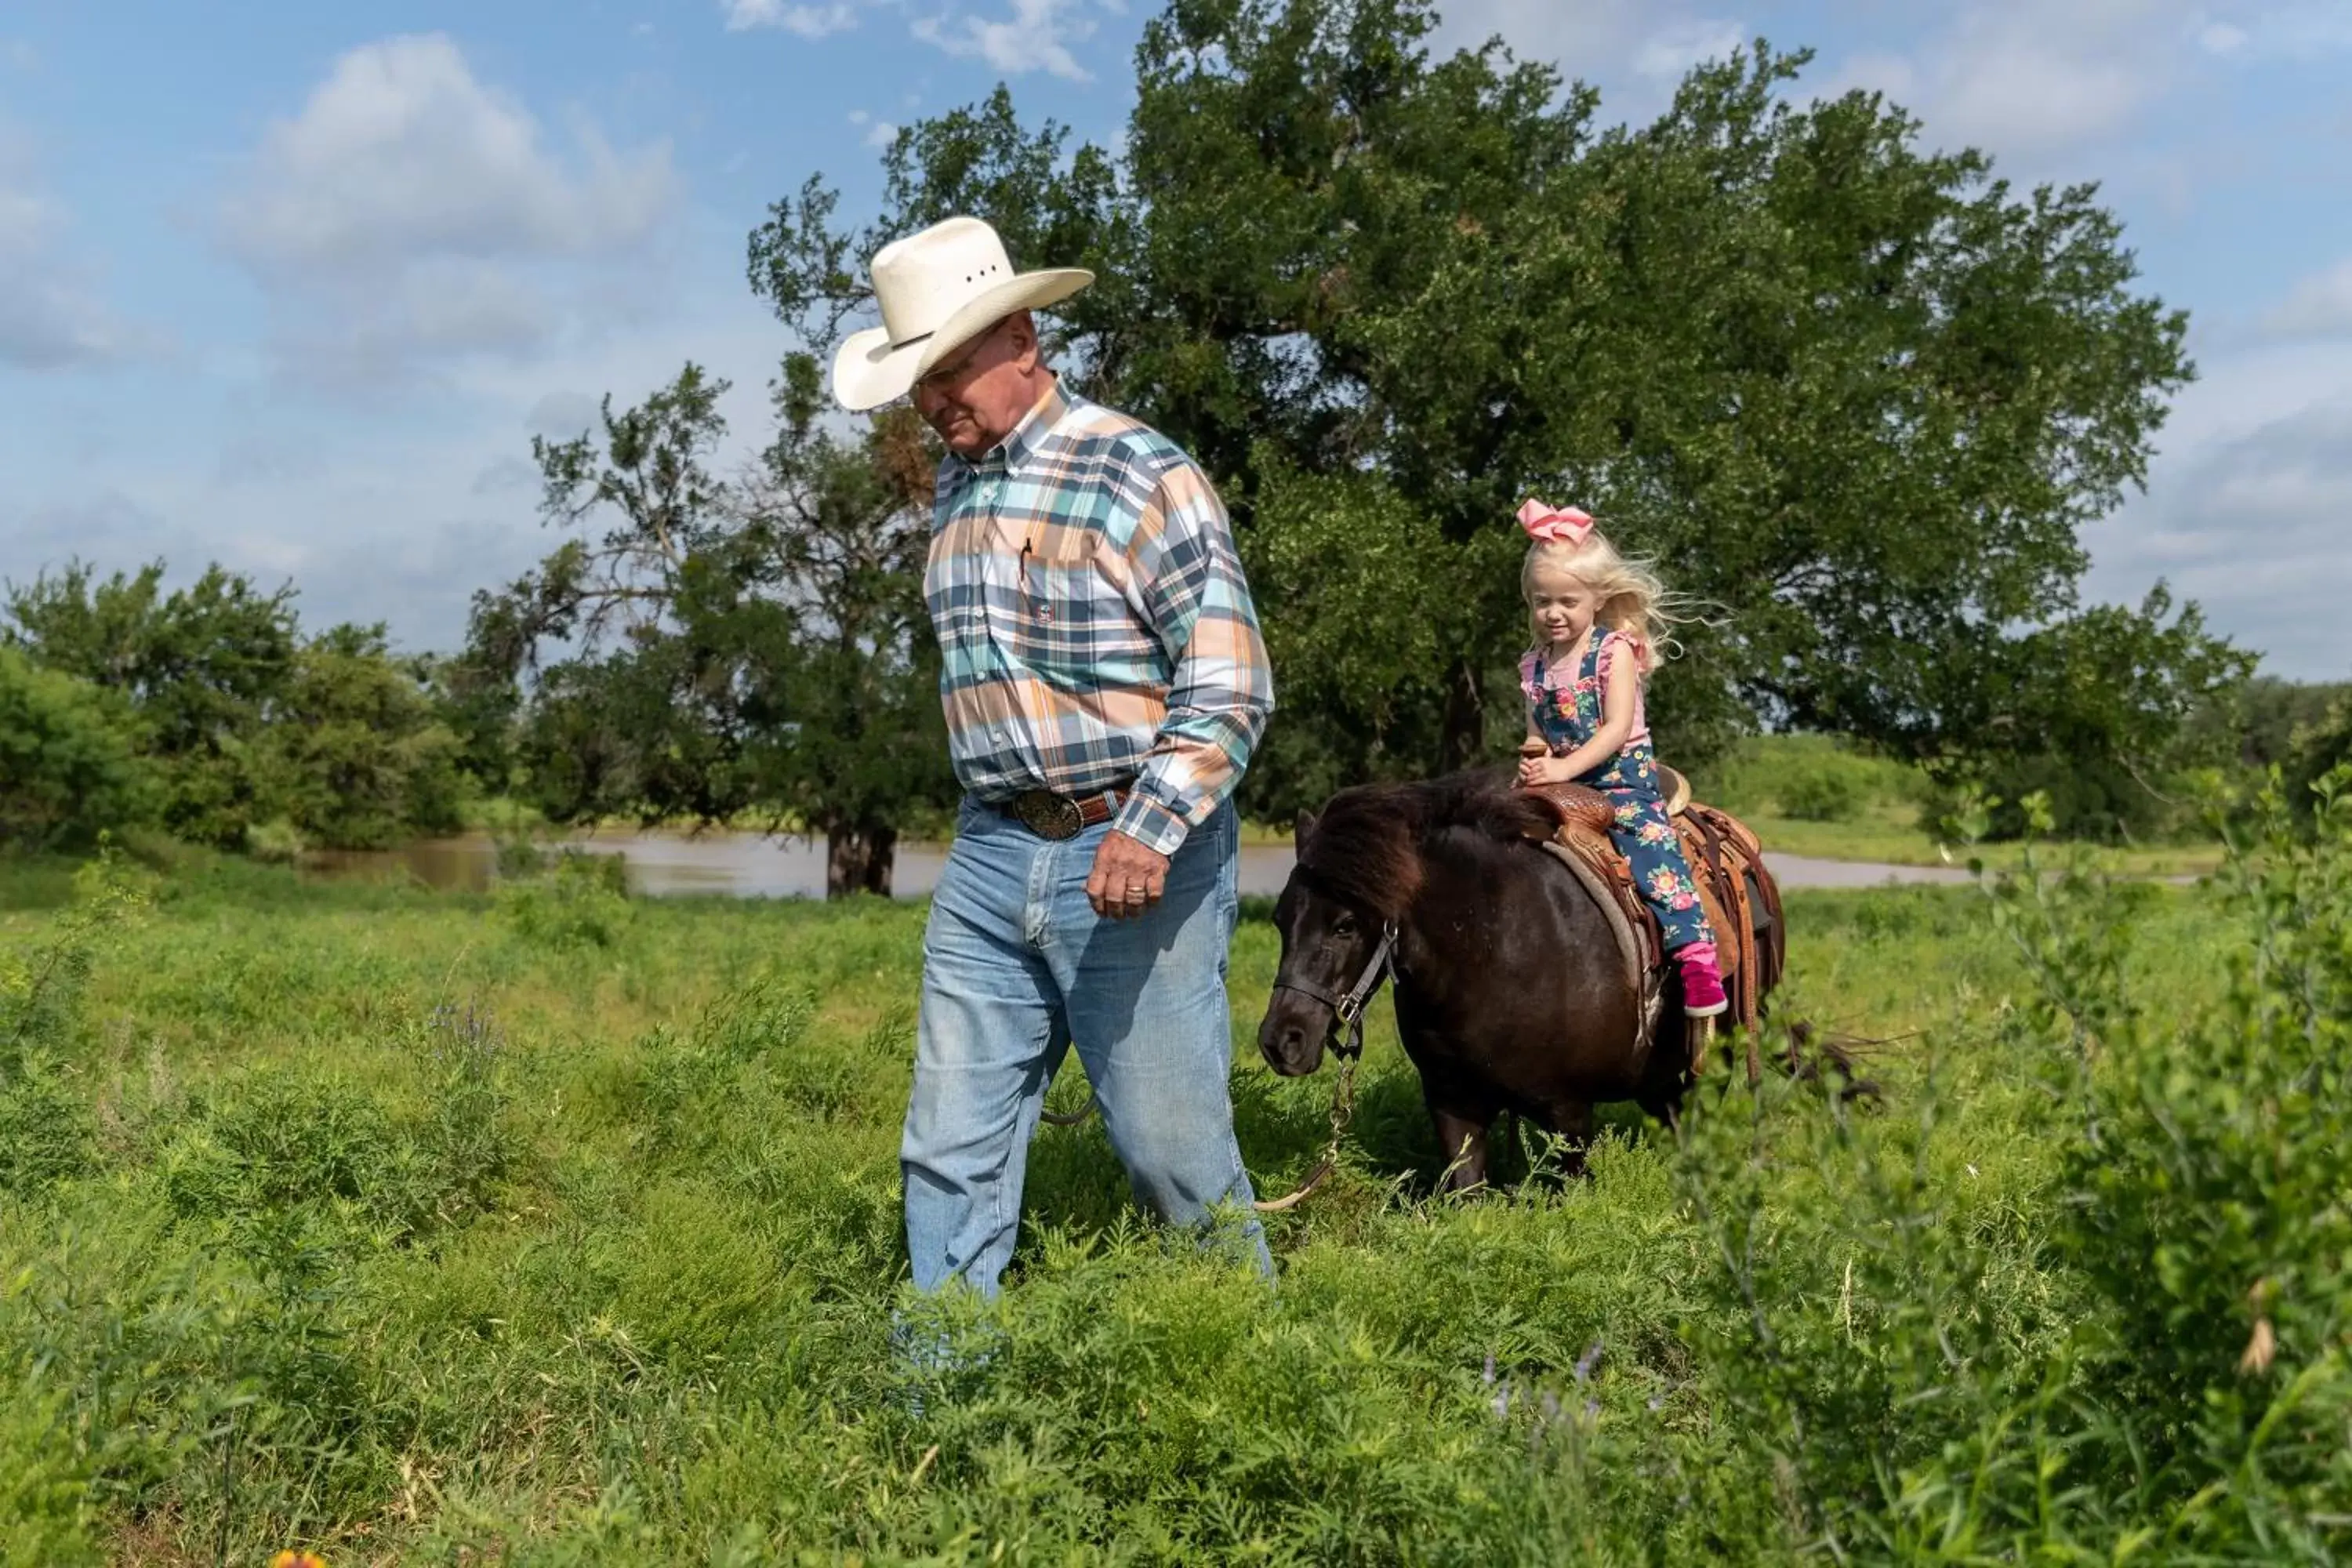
x: 1284, y: 1047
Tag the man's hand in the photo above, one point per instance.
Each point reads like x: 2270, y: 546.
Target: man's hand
x: 1128, y: 878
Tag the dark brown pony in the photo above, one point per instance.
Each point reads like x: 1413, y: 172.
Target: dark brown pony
x: 1510, y: 993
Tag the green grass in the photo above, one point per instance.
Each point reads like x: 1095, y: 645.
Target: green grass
x: 1814, y: 796
x: 556, y: 1228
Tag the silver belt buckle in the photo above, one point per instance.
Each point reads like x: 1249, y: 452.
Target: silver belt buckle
x: 1047, y: 815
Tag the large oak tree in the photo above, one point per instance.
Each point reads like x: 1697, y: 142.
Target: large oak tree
x: 714, y: 649
x: 1857, y: 394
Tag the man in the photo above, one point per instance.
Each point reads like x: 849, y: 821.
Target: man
x: 1105, y: 682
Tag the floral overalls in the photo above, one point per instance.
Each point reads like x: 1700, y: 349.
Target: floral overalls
x: 1569, y: 717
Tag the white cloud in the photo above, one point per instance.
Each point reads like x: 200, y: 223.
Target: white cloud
x: 2249, y: 508
x: 376, y: 519
x: 2302, y: 32
x: 1586, y: 38
x: 2026, y: 79
x: 808, y: 21
x: 51, y: 315
x: 2031, y: 81
x: 1668, y: 55
x: 2319, y: 306
x: 1037, y: 36
x: 560, y: 415
x: 411, y: 211
x: 402, y: 150
x: 878, y: 133
x: 2221, y: 39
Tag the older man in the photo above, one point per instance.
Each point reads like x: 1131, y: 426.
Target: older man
x: 1103, y: 682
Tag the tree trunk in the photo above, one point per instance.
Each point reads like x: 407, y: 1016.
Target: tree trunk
x: 858, y: 859
x: 1462, y: 736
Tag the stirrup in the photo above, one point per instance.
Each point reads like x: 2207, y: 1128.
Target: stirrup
x: 1698, y: 1029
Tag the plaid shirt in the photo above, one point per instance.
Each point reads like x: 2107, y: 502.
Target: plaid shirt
x: 1096, y: 630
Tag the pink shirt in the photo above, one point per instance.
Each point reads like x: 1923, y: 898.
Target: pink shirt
x: 1563, y: 679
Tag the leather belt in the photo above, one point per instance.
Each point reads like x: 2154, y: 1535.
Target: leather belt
x: 1051, y: 815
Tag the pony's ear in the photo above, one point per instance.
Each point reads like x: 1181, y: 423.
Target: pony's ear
x: 1301, y: 829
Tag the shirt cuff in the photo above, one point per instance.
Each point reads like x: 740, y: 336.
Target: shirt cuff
x: 1151, y: 823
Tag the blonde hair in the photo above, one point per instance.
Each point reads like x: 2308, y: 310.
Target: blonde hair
x: 1632, y: 599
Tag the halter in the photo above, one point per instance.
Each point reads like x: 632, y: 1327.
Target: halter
x: 1347, y: 1010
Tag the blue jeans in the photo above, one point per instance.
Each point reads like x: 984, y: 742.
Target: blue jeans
x: 1016, y: 968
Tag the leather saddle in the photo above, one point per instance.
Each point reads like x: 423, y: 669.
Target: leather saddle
x: 1742, y: 899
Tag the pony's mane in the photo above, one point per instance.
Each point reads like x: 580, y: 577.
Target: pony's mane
x: 1365, y: 849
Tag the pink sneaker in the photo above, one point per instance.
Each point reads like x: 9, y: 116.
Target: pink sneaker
x: 1702, y: 981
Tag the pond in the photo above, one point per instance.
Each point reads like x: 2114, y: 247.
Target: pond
x: 753, y: 865
x: 736, y: 865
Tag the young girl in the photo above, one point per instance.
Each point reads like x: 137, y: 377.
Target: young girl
x: 1592, y: 611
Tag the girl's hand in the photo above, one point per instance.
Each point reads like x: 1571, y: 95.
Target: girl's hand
x: 1545, y: 769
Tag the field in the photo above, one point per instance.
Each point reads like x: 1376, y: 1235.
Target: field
x: 1811, y: 795
x: 555, y: 1227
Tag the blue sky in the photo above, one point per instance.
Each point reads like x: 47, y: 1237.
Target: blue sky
x: 292, y: 286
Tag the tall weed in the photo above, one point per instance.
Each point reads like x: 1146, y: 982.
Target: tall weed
x: 581, y: 899
x: 2139, y: 1346
x: 612, y: 1278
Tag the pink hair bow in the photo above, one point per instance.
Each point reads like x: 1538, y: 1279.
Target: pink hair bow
x: 1565, y: 526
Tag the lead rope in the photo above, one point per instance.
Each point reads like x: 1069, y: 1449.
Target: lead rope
x: 1343, y: 1106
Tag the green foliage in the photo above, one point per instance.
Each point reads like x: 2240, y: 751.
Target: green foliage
x: 280, y: 843
x: 1858, y: 393
x: 68, y: 767
x: 252, y: 730
x: 47, y: 1133
x: 2095, y: 714
x: 41, y: 984
x: 199, y: 667
x: 1825, y: 794
x: 578, y: 900
x: 358, y: 758
x: 44, y: 1507
x: 755, y: 649
x: 614, y: 1280
x: 2258, y: 721
x: 2314, y: 750
x: 1811, y: 778
x: 2172, y: 1375
x: 2206, y: 1200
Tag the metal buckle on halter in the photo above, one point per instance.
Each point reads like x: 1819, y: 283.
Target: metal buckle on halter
x: 1047, y: 815
x: 1349, y: 1010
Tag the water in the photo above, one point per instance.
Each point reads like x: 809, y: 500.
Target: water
x: 750, y: 866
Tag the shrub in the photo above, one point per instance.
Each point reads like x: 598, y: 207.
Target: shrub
x: 356, y: 752
x: 41, y: 984
x: 45, y: 1506
x: 583, y: 901
x: 2170, y: 1367
x: 1823, y: 791
x: 46, y: 1131
x: 2316, y: 750
x: 278, y: 842
x: 68, y: 767
x: 1813, y: 778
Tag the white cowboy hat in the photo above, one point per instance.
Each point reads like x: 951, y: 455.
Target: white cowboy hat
x: 938, y: 290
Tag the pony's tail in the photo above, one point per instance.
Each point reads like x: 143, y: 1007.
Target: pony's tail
x: 1816, y: 1055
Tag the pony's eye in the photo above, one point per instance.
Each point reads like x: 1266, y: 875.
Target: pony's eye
x: 1344, y: 926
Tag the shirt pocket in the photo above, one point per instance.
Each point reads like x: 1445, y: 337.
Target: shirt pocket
x: 1057, y: 575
